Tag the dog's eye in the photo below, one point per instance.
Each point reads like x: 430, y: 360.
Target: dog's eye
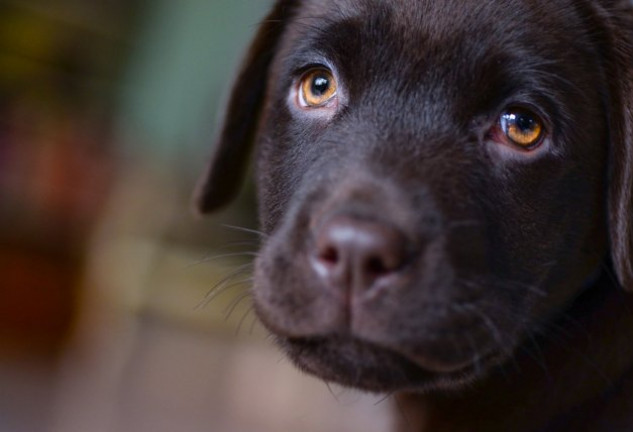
x: 317, y: 87
x: 522, y: 127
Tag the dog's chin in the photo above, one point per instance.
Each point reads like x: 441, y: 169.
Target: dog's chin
x: 359, y: 364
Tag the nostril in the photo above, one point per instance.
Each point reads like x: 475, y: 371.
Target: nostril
x: 357, y: 252
x: 377, y: 266
x: 329, y: 255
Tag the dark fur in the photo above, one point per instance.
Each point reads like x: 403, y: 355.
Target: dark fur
x: 510, y: 311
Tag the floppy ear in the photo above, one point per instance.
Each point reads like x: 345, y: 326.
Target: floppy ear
x: 223, y: 177
x: 621, y: 129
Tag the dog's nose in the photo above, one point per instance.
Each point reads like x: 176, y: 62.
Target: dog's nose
x: 356, y: 253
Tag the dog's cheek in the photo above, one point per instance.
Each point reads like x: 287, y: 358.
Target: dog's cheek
x: 550, y: 223
x: 284, y: 153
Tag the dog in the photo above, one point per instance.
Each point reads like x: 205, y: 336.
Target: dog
x: 446, y: 192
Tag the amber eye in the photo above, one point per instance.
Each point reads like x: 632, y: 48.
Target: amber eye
x: 522, y: 127
x: 316, y: 88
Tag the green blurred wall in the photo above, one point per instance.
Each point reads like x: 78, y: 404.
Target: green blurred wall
x: 187, y: 54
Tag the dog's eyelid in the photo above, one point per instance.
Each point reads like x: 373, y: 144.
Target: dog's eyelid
x: 537, y: 104
x: 299, y: 65
x: 302, y: 70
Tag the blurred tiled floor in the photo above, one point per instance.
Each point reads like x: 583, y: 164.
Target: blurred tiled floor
x: 154, y: 376
x: 171, y: 379
x: 26, y: 393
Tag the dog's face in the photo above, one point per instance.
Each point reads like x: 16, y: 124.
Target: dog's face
x: 432, y: 178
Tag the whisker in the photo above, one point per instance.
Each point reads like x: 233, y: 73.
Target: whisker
x: 258, y: 233
x: 236, y: 243
x: 253, y: 323
x: 565, y: 337
x: 537, y: 355
x: 476, y: 354
x: 504, y: 283
x: 553, y: 328
x: 334, y: 395
x: 239, y: 326
x: 221, y: 286
x: 385, y: 398
x: 403, y: 414
x: 252, y: 244
x: 610, y: 274
x: 209, y: 259
x: 234, y: 304
x: 488, y: 323
x: 222, y: 290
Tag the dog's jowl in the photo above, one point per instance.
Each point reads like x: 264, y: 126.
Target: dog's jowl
x: 447, y: 192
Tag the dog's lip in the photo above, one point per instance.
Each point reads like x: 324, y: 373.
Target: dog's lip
x: 425, y: 366
x: 371, y: 368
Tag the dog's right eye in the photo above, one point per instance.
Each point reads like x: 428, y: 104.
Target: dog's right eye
x: 317, y: 88
x: 522, y: 128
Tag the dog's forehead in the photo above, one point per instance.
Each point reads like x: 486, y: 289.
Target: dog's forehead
x: 433, y: 16
x: 440, y: 51
x: 405, y: 14
x: 445, y: 32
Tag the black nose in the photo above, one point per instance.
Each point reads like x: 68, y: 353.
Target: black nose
x: 356, y: 253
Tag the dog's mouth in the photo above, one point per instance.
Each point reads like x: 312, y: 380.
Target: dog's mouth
x: 364, y: 365
x: 356, y: 300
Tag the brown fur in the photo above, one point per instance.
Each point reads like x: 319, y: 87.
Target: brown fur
x: 498, y: 296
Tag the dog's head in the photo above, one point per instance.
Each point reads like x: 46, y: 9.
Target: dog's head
x: 436, y: 178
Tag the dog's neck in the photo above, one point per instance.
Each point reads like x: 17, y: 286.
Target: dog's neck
x: 573, y: 371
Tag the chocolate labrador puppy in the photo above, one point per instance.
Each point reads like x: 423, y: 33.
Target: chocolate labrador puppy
x: 446, y: 188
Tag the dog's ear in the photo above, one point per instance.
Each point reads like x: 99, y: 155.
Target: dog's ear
x: 223, y: 177
x: 621, y: 157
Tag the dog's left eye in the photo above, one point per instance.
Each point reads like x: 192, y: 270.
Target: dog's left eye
x: 316, y: 88
x: 522, y: 128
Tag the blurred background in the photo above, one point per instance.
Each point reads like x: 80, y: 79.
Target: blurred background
x: 108, y: 316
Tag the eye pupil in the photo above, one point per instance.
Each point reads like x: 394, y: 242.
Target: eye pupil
x: 320, y: 85
x: 525, y: 123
